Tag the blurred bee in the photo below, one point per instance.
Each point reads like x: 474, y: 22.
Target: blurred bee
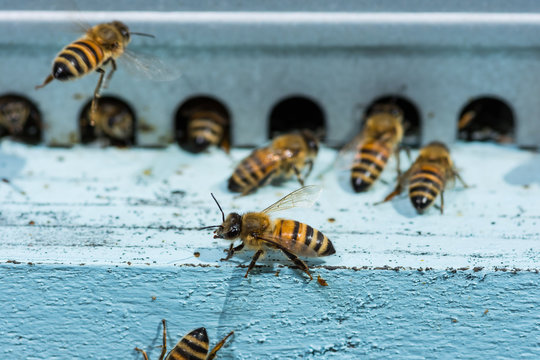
x: 205, y: 128
x: 286, y: 156
x: 379, y: 139
x: 193, y: 346
x: 112, y: 120
x: 427, y: 176
x: 101, y: 45
x: 258, y: 232
x: 19, y: 118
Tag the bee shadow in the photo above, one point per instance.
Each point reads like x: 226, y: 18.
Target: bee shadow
x: 526, y: 173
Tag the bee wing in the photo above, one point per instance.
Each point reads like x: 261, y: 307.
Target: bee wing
x: 303, y: 197
x: 346, y: 154
x: 285, y: 245
x: 149, y: 67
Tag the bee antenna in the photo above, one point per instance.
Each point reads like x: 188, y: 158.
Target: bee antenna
x: 220, y: 209
x: 142, y: 34
x: 209, y: 227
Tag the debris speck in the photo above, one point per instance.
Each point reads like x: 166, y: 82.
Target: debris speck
x: 321, y: 281
x: 147, y: 172
x: 331, y: 220
x: 196, y: 254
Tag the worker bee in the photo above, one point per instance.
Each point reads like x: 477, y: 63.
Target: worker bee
x: 193, y: 346
x: 113, y: 120
x: 286, y: 156
x: 101, y: 45
x: 205, y: 128
x: 19, y: 118
x: 258, y: 232
x: 371, y: 149
x: 427, y: 176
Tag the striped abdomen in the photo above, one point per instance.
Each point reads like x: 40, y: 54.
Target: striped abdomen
x: 193, y: 346
x: 204, y: 129
x: 254, y: 171
x: 77, y: 59
x: 369, y: 161
x: 302, y: 239
x: 424, y: 186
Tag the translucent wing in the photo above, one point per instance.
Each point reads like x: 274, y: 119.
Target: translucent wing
x: 346, y: 155
x: 296, y: 247
x: 303, y: 197
x: 149, y: 67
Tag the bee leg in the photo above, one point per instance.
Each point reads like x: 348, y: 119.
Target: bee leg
x: 398, y: 162
x: 142, y: 352
x: 298, y: 262
x: 393, y: 194
x: 298, y: 175
x: 97, y: 90
x: 253, y: 261
x: 47, y: 80
x: 218, y: 346
x: 309, y: 163
x: 164, y: 347
x: 456, y: 174
x: 442, y: 201
x: 232, y: 250
x: 110, y: 74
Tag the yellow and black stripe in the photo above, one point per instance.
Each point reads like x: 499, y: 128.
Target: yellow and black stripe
x: 302, y: 239
x: 77, y: 59
x: 369, y: 161
x: 193, y: 346
x: 255, y: 171
x: 424, y: 186
x: 204, y: 128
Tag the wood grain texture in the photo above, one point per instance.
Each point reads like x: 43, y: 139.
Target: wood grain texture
x: 106, y: 230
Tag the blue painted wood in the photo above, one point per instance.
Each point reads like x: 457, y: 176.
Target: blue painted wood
x: 61, y: 312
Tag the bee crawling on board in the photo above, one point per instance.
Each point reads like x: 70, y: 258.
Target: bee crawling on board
x: 428, y: 176
x: 285, y: 157
x: 102, y: 45
x: 371, y: 149
x: 259, y: 232
x: 193, y: 346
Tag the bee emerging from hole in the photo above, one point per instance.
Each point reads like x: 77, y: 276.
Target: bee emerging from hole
x: 193, y: 346
x: 101, y: 45
x: 286, y: 156
x: 113, y: 120
x: 427, y: 177
x: 206, y: 128
x: 19, y: 118
x: 371, y: 149
x: 259, y: 232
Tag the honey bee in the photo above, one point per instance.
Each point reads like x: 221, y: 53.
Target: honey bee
x: 286, y: 156
x: 205, y: 128
x: 427, y: 177
x: 19, y: 118
x: 379, y: 139
x: 259, y: 232
x: 193, y: 346
x: 112, y: 120
x: 101, y: 45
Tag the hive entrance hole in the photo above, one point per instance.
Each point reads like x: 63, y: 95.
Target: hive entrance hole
x: 114, y: 121
x: 202, y: 108
x: 411, y: 117
x: 486, y: 119
x: 295, y: 113
x: 20, y: 118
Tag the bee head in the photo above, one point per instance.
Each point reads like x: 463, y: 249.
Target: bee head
x: 311, y: 141
x: 231, y: 227
x: 123, y: 30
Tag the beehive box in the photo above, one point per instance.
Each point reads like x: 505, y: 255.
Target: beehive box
x: 99, y: 244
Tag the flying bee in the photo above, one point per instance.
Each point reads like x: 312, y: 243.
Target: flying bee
x: 113, y: 120
x: 101, y: 45
x: 286, y: 156
x: 371, y: 149
x: 205, y: 128
x: 193, y: 346
x: 19, y: 118
x: 428, y: 176
x: 259, y: 232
